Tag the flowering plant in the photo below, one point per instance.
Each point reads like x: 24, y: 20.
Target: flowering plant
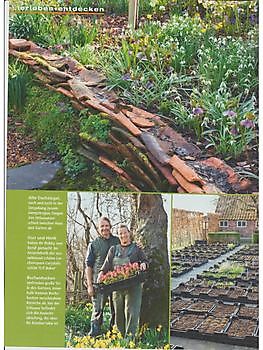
x: 120, y: 273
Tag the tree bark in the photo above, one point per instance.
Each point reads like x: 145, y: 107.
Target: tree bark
x: 152, y: 224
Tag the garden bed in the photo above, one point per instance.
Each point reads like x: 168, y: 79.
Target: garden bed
x: 180, y: 92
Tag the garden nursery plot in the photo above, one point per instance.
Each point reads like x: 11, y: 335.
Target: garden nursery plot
x: 170, y: 106
x: 221, y: 304
x: 184, y: 260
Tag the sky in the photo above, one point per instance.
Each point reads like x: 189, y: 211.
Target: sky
x: 202, y: 203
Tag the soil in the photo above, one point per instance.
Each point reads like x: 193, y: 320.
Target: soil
x: 248, y: 311
x: 180, y: 305
x: 224, y: 310
x: 242, y: 328
x: 237, y: 292
x: 201, y: 306
x: 21, y: 149
x: 215, y: 292
x: 213, y: 324
x: 187, y: 322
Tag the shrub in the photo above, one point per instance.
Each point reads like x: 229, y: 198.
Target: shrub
x: 223, y: 236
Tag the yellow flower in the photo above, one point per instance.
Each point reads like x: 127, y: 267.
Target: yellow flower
x: 119, y: 335
x: 166, y: 347
x: 108, y: 334
x: 159, y: 328
x: 68, y: 344
x: 132, y: 345
x: 149, y: 16
x: 250, y: 115
x: 218, y: 26
x: 115, y: 329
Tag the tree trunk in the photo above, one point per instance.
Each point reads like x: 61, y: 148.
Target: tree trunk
x: 152, y: 224
x: 133, y: 13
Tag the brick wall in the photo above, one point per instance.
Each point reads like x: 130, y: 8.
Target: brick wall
x: 188, y: 226
x: 244, y: 231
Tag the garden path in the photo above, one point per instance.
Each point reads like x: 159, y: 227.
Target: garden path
x: 153, y: 149
x: 194, y: 344
x: 198, y: 270
x: 32, y: 176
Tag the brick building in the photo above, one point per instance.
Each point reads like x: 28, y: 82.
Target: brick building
x: 189, y: 226
x: 238, y: 213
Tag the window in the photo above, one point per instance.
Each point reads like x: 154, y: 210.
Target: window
x: 241, y: 223
x: 223, y: 223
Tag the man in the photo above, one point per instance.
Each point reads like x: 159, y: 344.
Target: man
x: 96, y: 254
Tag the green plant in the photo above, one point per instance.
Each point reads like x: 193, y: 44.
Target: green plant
x: 223, y: 237
x: 50, y: 119
x: 18, y: 82
x: 233, y: 61
x: 228, y: 268
x: 255, y: 238
x: 227, y: 123
x: 77, y: 319
x: 33, y: 27
x: 95, y: 127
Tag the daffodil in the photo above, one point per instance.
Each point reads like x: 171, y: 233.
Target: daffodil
x: 159, y: 328
x: 132, y: 345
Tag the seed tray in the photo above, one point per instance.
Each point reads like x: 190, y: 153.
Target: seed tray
x: 213, y: 324
x: 237, y: 293
x: 186, y: 322
x: 199, y: 291
x: 248, y: 312
x: 201, y: 306
x: 252, y: 297
x: 225, y: 310
x: 218, y: 292
x: 179, y: 304
x: 123, y: 284
x: 177, y: 274
x: 219, y: 337
x: 242, y: 332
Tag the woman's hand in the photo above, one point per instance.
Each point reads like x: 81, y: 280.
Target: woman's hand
x: 143, y: 267
x: 91, y: 290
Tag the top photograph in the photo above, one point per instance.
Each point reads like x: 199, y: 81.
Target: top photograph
x: 133, y: 96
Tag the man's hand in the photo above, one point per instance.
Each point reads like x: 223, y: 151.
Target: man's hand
x: 143, y: 267
x: 91, y: 290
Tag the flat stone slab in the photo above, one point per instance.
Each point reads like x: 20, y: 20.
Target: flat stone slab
x: 31, y: 176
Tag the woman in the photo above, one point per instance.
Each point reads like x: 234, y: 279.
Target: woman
x: 127, y: 302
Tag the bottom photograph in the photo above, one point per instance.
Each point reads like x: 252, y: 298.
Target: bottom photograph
x: 214, y: 272
x: 118, y: 270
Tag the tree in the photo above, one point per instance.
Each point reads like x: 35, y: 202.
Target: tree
x: 151, y: 231
x: 133, y: 13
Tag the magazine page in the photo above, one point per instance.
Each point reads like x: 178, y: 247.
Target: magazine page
x: 132, y: 174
